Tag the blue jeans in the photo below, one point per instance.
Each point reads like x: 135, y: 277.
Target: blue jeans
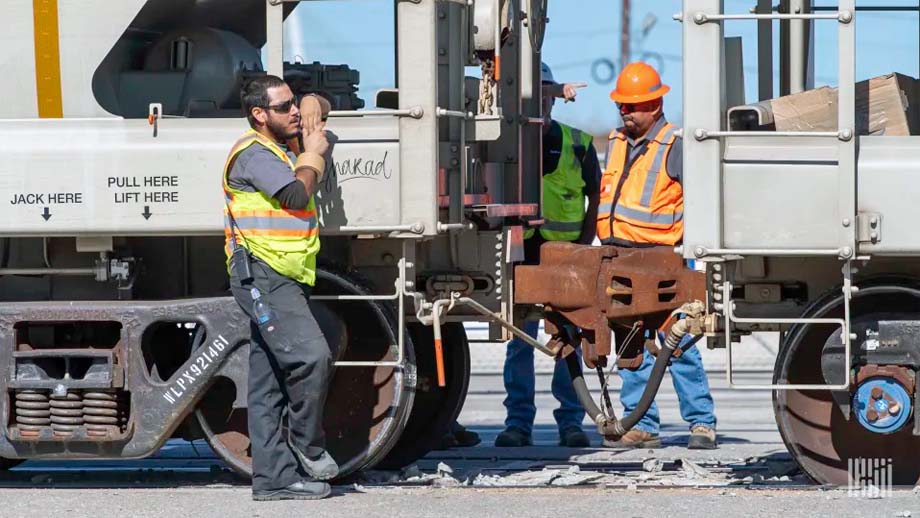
x: 519, y: 385
x: 690, y: 383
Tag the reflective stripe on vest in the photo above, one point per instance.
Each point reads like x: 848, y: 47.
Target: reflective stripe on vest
x: 649, y: 205
x: 650, y: 179
x: 292, y: 222
x: 561, y: 226
x: 563, y: 191
x: 285, y: 239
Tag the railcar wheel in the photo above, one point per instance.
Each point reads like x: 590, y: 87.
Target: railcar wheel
x: 366, y: 408
x: 434, y: 408
x: 817, y: 433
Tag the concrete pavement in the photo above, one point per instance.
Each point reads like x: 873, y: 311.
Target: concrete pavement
x: 750, y: 475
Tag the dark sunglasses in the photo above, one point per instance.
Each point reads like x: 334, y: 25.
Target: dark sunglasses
x: 638, y: 107
x: 284, y: 107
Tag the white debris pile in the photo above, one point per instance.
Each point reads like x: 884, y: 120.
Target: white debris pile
x: 692, y: 469
x: 648, y: 471
x: 573, y: 476
x: 758, y: 479
x: 653, y: 465
x: 444, y: 477
x: 411, y: 475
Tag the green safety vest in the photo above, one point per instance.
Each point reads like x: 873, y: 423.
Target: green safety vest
x: 563, y: 191
x: 286, y: 239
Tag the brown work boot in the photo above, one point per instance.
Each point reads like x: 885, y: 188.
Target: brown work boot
x: 635, y: 439
x: 702, y: 437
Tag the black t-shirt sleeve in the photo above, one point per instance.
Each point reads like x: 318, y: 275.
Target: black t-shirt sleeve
x: 293, y: 196
x: 591, y: 171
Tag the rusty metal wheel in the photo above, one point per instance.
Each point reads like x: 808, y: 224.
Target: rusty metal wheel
x: 366, y: 408
x: 818, y: 434
x: 434, y: 408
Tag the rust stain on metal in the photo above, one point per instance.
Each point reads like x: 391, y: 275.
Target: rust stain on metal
x: 596, y: 288
x: 901, y: 374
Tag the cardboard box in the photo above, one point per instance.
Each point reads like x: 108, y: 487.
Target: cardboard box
x: 885, y: 105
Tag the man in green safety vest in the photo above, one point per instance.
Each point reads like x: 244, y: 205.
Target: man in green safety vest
x: 272, y: 239
x: 571, y: 179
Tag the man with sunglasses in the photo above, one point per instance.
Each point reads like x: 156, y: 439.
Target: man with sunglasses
x: 272, y: 239
x: 571, y: 174
x: 642, y: 206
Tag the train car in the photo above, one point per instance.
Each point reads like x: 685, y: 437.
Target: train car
x: 808, y: 232
x: 117, y: 331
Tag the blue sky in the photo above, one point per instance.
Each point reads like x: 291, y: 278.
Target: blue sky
x: 583, y: 36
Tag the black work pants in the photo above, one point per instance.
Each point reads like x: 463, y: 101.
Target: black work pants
x: 289, y: 371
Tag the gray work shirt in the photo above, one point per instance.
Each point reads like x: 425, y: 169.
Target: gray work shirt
x: 636, y: 147
x: 258, y: 169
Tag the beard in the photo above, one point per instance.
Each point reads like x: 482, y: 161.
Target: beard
x: 281, y: 131
x: 631, y: 127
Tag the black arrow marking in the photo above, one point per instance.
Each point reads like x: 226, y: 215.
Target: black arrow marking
x: 46, y: 214
x: 146, y: 212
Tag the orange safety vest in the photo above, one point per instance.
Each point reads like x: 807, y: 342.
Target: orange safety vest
x: 642, y: 206
x: 285, y: 239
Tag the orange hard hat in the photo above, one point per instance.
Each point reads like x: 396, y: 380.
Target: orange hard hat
x: 638, y: 82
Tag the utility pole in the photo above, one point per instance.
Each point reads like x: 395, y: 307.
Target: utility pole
x: 624, y: 34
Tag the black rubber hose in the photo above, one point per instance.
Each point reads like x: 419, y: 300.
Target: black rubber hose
x: 651, y: 390
x: 581, y: 390
x: 678, y: 331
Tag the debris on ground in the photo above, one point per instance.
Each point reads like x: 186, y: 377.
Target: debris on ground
x: 575, y: 477
x: 657, y: 469
x: 444, y: 470
x: 780, y: 468
x: 691, y: 468
x: 572, y: 476
x: 653, y: 465
x: 411, y: 472
x: 379, y: 477
x: 446, y: 481
x: 518, y: 465
x: 523, y: 479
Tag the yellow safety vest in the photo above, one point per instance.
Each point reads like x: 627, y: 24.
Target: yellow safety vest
x: 563, y: 191
x: 642, y: 206
x: 285, y: 239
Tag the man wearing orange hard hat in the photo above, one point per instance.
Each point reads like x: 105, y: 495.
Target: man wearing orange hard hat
x: 641, y: 206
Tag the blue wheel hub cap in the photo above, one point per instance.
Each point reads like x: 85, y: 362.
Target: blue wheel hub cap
x: 881, y: 405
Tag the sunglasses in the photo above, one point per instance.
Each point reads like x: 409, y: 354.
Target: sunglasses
x: 639, y: 107
x: 284, y: 107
